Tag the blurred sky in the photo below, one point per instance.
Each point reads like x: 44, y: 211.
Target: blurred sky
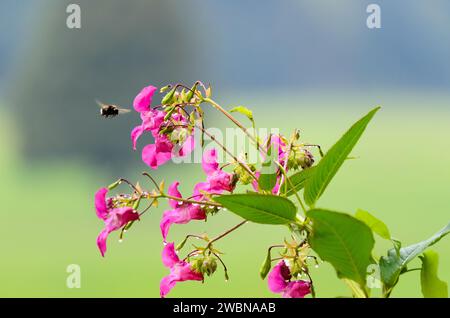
x: 263, y: 43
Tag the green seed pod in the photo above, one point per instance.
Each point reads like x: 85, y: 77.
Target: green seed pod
x: 265, y: 268
x: 169, y: 113
x: 190, y: 94
x: 168, y: 97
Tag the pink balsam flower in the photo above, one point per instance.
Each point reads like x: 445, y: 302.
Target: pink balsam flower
x: 114, y: 217
x: 180, y: 271
x: 153, y: 120
x: 217, y: 180
x: 279, y: 281
x: 181, y: 213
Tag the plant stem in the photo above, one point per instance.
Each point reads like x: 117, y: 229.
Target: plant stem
x: 292, y: 187
x: 225, y: 233
x: 210, y: 203
x: 288, y: 152
x: 230, y: 117
x: 241, y: 163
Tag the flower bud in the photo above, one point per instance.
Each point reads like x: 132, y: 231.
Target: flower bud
x: 300, y: 158
x: 114, y: 185
x: 165, y: 88
x: 209, y: 266
x: 242, y: 175
x: 196, y: 265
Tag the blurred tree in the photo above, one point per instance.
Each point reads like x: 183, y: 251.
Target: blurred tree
x: 120, y: 48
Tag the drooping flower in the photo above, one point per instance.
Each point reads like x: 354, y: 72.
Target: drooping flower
x: 158, y: 153
x: 181, y: 213
x: 279, y: 281
x: 165, y: 146
x: 217, y: 180
x: 180, y: 271
x: 113, y: 217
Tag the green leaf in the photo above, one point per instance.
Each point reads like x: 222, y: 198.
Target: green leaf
x: 244, y: 111
x: 432, y: 286
x: 375, y: 224
x: 392, y: 265
x: 333, y: 160
x: 265, y: 267
x: 298, y: 180
x: 267, y: 181
x: 268, y: 177
x: 344, y: 241
x: 260, y: 208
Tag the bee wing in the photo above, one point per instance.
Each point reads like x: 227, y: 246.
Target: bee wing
x: 99, y: 103
x: 123, y: 110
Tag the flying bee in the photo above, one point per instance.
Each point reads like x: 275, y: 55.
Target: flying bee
x: 110, y: 110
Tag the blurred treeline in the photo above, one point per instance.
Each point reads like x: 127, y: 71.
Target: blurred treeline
x: 253, y: 45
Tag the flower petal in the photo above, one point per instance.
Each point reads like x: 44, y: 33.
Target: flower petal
x: 101, y: 241
x: 220, y: 181
x: 135, y: 134
x: 153, y: 158
x: 117, y: 218
x: 169, y: 256
x: 297, y: 289
x: 169, y: 217
x: 188, y: 146
x: 277, y: 277
x: 166, y: 285
x: 185, y: 272
x: 143, y: 100
x: 209, y: 161
x: 100, y: 203
x: 173, y: 191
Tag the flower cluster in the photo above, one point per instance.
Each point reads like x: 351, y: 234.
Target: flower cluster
x: 169, y: 129
x: 171, y: 125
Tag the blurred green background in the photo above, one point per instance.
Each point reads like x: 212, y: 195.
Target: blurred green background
x: 294, y: 68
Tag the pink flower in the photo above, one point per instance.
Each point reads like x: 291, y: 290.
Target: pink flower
x: 114, y: 217
x: 279, y: 282
x: 163, y: 149
x: 180, y: 271
x: 158, y: 153
x: 181, y: 212
x: 217, y: 179
x: 143, y: 100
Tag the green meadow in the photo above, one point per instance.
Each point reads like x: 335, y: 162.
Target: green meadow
x: 401, y: 175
